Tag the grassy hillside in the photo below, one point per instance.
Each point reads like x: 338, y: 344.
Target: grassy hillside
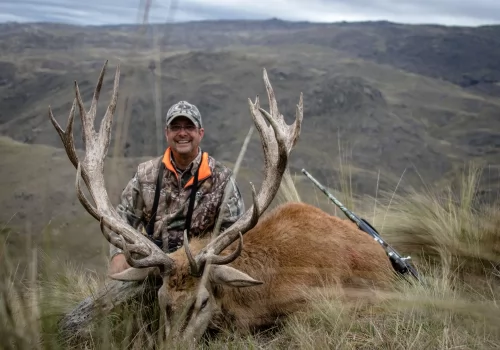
x: 384, y: 104
x: 463, y: 55
x: 375, y: 110
x: 455, y: 243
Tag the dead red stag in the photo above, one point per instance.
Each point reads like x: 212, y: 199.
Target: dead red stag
x: 214, y: 283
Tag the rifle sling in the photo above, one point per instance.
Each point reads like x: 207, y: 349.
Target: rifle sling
x: 192, y: 197
x: 151, y: 222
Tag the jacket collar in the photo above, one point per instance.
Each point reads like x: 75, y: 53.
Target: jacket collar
x: 201, y: 160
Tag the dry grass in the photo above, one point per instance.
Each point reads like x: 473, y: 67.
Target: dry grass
x: 453, y: 238
x: 447, y: 226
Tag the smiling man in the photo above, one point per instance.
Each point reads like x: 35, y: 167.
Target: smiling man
x: 192, y: 186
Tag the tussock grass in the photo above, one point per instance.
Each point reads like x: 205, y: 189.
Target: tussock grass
x: 454, y: 240
x: 448, y: 226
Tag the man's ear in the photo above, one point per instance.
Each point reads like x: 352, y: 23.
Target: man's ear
x: 229, y: 276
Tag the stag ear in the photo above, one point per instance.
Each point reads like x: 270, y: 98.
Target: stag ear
x: 229, y: 276
x: 133, y: 274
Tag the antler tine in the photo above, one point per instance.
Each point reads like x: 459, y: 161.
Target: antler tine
x: 197, y: 270
x: 290, y: 132
x: 193, y: 266
x: 91, y: 169
x: 150, y: 253
x: 222, y: 260
x: 97, y: 92
x: 81, y: 196
x: 278, y: 140
x: 66, y: 136
x: 107, y: 121
x: 88, y: 118
x: 110, y: 236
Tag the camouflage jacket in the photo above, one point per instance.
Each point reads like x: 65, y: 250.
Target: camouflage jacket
x: 213, y: 179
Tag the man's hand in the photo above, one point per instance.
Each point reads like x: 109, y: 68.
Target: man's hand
x: 118, y: 264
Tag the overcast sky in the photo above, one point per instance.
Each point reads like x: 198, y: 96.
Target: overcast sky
x: 96, y: 12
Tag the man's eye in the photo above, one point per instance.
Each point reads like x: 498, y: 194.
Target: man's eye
x: 189, y: 128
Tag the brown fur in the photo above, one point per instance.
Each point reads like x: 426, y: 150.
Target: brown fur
x: 294, y: 248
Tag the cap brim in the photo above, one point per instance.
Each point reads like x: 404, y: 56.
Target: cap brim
x: 195, y: 122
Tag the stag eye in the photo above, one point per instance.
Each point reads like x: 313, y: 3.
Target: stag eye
x: 203, y: 304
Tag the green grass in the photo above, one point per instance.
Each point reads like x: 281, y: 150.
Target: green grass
x: 453, y: 238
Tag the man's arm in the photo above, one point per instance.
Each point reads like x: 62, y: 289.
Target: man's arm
x: 130, y: 208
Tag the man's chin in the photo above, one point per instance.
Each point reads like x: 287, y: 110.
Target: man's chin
x: 184, y: 149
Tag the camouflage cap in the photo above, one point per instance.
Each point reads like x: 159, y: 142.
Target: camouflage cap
x: 186, y: 109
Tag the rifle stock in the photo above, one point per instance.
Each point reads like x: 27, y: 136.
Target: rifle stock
x: 400, y: 264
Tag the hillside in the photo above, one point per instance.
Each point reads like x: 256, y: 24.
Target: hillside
x: 396, y: 99
x: 462, y: 55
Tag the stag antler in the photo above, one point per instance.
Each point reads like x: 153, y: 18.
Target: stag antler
x: 92, y: 171
x: 278, y: 139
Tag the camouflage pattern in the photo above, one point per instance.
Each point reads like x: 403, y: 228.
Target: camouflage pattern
x: 185, y: 109
x: 138, y: 196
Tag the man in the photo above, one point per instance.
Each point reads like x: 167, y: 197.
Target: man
x: 184, y: 165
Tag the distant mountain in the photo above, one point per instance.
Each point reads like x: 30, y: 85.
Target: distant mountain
x: 463, y: 55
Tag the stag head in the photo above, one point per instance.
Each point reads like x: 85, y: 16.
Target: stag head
x: 186, y: 296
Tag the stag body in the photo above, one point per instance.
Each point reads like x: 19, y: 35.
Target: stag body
x: 291, y: 252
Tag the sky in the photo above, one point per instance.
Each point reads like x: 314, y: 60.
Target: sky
x: 99, y: 12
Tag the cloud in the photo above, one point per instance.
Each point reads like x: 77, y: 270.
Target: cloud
x: 97, y: 12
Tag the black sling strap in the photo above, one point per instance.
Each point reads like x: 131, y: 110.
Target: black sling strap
x: 192, y: 196
x: 151, y: 222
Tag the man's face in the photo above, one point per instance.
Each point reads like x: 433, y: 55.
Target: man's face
x: 183, y: 136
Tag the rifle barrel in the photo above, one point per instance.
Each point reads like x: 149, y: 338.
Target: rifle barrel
x: 346, y: 211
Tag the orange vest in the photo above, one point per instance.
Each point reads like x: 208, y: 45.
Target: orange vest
x: 203, y: 173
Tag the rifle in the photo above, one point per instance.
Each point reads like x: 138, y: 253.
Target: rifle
x: 399, y: 263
